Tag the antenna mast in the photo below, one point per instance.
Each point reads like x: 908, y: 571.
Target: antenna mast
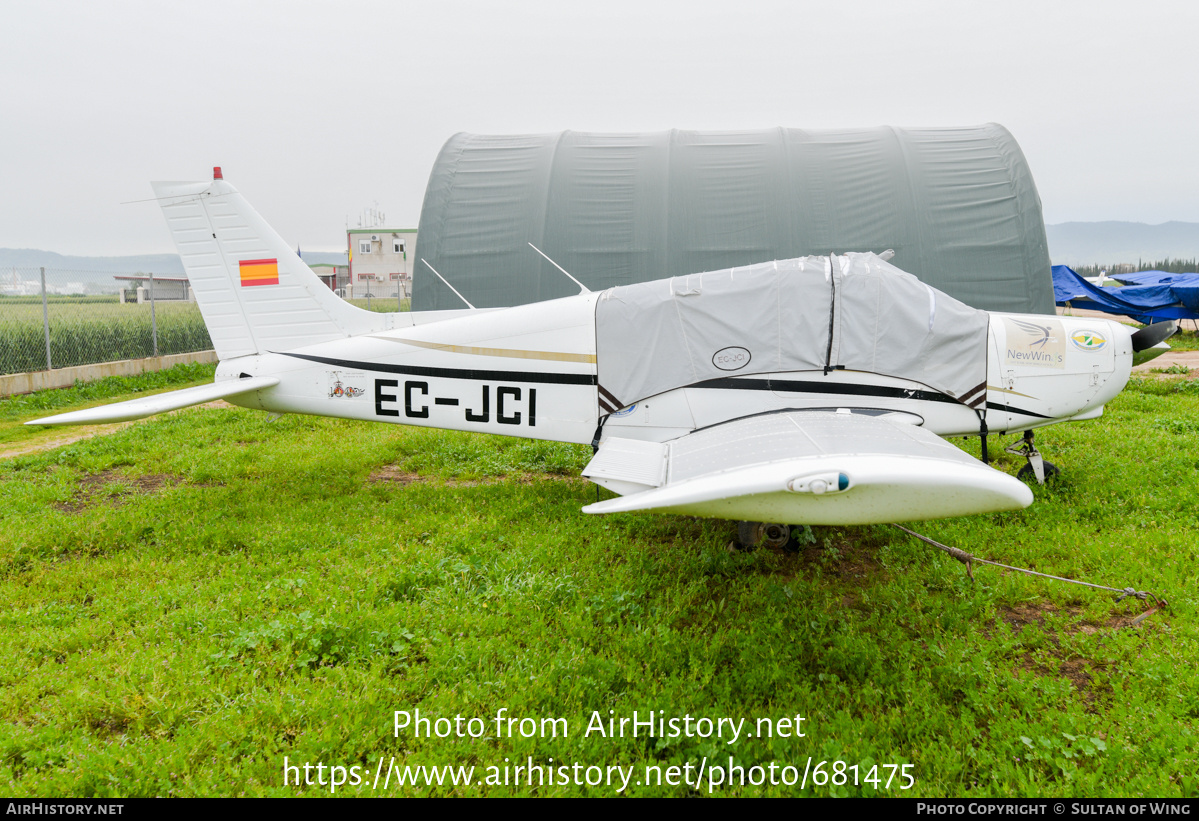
x: 448, y: 285
x: 583, y: 289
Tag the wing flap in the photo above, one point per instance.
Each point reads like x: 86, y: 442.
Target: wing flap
x: 822, y: 468
x: 142, y: 407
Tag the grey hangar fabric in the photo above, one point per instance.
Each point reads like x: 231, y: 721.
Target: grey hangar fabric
x: 958, y: 206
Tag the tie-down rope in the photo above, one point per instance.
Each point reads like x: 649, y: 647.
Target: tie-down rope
x: 969, y: 559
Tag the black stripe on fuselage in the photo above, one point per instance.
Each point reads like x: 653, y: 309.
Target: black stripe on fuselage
x: 1017, y: 411
x: 454, y: 373
x: 724, y: 383
x: 843, y: 389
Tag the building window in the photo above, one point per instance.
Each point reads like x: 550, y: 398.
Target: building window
x: 362, y: 277
x: 398, y: 245
x: 364, y: 246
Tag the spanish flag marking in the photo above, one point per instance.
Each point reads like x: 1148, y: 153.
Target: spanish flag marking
x: 259, y: 272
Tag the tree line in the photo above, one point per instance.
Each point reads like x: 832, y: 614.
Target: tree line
x: 1172, y: 266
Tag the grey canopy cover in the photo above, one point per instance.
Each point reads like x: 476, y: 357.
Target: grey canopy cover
x: 776, y: 317
x: 958, y: 206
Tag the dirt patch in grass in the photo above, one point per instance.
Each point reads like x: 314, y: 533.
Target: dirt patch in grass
x: 1171, y: 363
x: 850, y: 561
x: 78, y: 433
x: 25, y: 448
x: 1078, y: 671
x: 850, y: 554
x: 112, y: 488
x: 1022, y: 615
x: 108, y: 722
x: 392, y: 475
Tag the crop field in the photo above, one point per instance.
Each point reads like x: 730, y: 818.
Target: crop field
x: 89, y: 329
x: 85, y: 330
x: 383, y: 305
x: 193, y: 603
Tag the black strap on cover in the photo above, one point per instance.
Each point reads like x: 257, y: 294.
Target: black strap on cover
x: 832, y: 312
x: 599, y: 432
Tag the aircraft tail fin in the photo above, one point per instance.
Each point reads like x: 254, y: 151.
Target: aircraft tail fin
x: 255, y: 294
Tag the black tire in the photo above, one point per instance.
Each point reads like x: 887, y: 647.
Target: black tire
x: 753, y: 535
x: 747, y: 535
x: 1026, y: 473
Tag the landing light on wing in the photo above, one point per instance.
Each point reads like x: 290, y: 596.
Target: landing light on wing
x: 819, y: 483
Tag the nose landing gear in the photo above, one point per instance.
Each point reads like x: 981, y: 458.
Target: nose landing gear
x: 1037, y: 467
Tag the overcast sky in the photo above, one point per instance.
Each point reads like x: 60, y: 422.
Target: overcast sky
x: 317, y: 110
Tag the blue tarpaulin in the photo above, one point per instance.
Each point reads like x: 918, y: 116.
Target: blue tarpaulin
x: 1146, y: 303
x: 1156, y: 278
x: 1184, y: 286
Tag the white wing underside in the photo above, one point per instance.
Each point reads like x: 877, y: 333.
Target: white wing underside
x: 804, y: 467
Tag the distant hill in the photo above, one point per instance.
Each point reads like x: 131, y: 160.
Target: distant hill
x: 166, y: 264
x: 1101, y: 243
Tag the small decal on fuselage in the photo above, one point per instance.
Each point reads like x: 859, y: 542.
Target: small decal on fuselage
x: 1039, y: 344
x: 346, y: 384
x: 1088, y: 340
x: 732, y: 358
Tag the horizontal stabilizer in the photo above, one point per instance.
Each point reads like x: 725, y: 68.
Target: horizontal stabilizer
x: 159, y: 403
x: 820, y: 468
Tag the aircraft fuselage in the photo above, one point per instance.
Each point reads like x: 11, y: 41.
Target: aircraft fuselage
x: 530, y: 371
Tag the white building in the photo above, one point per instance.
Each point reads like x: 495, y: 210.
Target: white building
x: 337, y: 277
x: 381, y: 262
x: 140, y: 288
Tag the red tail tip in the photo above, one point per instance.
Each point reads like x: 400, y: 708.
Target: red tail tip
x: 216, y: 173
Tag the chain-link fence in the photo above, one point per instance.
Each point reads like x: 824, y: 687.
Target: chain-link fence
x: 51, y: 318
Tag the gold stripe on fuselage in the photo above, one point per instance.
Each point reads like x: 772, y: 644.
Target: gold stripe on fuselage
x: 512, y: 353
x: 1006, y: 390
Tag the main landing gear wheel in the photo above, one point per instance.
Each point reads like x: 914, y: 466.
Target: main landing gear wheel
x: 751, y: 535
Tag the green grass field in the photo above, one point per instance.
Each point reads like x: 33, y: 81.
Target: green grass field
x: 1185, y: 340
x: 191, y: 599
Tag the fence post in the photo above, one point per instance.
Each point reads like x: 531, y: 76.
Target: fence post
x: 153, y: 319
x: 399, y: 294
x: 46, y: 320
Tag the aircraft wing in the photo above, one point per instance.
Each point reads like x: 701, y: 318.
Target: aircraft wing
x: 159, y: 403
x: 804, y: 467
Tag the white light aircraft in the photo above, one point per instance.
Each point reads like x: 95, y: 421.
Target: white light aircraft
x: 807, y: 391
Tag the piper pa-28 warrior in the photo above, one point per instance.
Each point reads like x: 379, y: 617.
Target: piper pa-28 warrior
x: 801, y: 391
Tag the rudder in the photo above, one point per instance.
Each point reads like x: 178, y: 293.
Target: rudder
x: 255, y: 294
